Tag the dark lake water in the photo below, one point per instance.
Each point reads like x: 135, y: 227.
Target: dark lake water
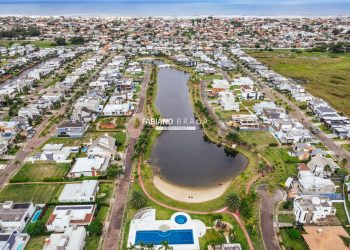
x: 184, y: 158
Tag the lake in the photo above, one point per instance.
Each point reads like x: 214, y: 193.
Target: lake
x: 184, y: 158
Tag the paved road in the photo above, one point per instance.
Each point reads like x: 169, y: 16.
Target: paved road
x: 298, y: 114
x: 113, y: 233
x: 267, y: 203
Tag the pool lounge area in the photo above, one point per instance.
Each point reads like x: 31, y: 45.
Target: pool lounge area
x: 180, y: 231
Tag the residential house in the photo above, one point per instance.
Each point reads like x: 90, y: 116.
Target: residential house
x: 322, y: 166
x: 15, y: 215
x: 88, y: 167
x: 124, y: 109
x: 219, y: 86
x: 310, y: 209
x: 79, y: 192
x: 73, y: 238
x: 104, y: 146
x: 71, y: 128
x: 227, y: 101
x: 308, y: 183
x: 64, y: 217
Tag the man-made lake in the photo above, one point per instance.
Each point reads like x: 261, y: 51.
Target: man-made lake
x: 184, y: 158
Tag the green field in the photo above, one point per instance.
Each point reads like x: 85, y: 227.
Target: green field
x: 36, y: 193
x: 324, y: 75
x: 292, y: 239
x: 41, y: 170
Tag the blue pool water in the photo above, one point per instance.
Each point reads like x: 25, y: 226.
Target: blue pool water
x: 20, y: 246
x: 84, y: 149
x: 173, y: 237
x: 36, y: 216
x: 180, y: 219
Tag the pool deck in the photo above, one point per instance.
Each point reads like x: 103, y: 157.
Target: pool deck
x: 145, y: 220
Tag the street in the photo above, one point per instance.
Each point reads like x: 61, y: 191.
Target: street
x: 267, y: 203
x: 113, y: 233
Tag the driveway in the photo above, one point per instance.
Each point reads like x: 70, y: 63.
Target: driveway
x: 268, y: 201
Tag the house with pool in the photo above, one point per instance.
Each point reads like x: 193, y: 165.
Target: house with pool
x: 180, y: 231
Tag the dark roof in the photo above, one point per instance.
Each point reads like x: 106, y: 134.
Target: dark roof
x: 71, y: 124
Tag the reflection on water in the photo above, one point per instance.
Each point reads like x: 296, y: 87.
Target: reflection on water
x: 187, y: 158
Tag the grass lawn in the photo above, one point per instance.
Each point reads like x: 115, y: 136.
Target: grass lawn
x: 36, y: 193
x: 36, y: 243
x: 65, y: 141
x: 262, y: 139
x: 341, y: 214
x: 292, y: 239
x: 286, y: 218
x: 105, y: 192
x: 211, y: 77
x: 41, y: 170
x: 92, y: 243
x: 278, y: 157
x: 325, y: 75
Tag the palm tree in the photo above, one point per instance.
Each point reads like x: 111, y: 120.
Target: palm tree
x: 233, y: 202
x: 131, y: 247
x: 143, y: 246
x: 138, y: 199
x: 165, y: 245
x: 150, y: 246
x: 252, y: 223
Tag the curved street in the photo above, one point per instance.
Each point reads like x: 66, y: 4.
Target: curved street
x: 268, y: 201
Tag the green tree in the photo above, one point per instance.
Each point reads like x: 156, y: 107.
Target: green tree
x: 233, y: 202
x: 95, y: 228
x: 60, y: 41
x: 36, y: 228
x: 114, y: 171
x: 77, y: 40
x: 138, y: 199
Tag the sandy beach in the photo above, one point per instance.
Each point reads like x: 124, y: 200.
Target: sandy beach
x: 189, y: 195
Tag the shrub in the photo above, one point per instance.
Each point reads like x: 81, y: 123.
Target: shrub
x: 36, y: 228
x: 95, y: 228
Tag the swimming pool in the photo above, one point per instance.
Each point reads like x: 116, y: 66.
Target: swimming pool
x: 173, y: 237
x: 180, y: 219
x: 20, y: 246
x: 36, y: 216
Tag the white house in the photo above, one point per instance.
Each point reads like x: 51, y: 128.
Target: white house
x: 227, y: 101
x: 322, y: 166
x: 54, y: 152
x: 73, y: 238
x: 79, y: 192
x: 243, y: 81
x: 104, y: 146
x: 117, y: 109
x: 310, y: 184
x: 88, y: 166
x: 63, y: 217
x: 14, y: 216
x: 309, y: 209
